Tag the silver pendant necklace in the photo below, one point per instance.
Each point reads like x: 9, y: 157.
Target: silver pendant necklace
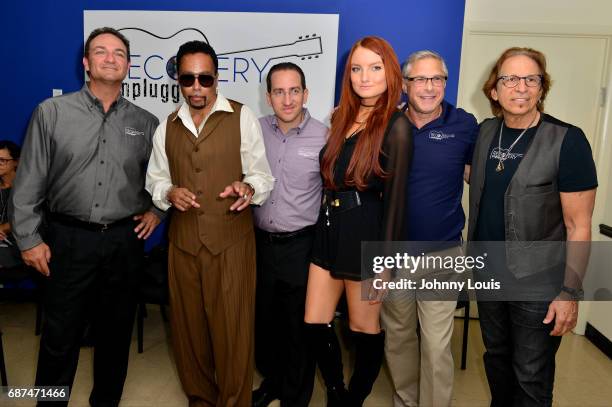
x: 503, y: 157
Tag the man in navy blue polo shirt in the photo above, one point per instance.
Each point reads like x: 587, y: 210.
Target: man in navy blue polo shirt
x: 421, y: 366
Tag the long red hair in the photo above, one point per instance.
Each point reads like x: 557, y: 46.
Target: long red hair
x: 365, y: 159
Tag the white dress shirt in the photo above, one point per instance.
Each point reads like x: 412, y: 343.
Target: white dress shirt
x: 252, y: 154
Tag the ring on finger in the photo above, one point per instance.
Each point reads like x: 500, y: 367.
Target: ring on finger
x: 245, y: 197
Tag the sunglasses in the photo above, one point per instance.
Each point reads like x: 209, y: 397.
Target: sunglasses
x: 187, y: 80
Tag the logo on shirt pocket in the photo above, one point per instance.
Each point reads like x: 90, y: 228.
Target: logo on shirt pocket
x: 438, y: 135
x: 308, y: 153
x: 130, y: 131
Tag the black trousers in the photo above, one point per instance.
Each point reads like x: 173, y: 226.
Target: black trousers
x: 93, y: 277
x: 281, y: 352
x: 520, y: 353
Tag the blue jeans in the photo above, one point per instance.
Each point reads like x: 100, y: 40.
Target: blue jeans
x: 520, y: 354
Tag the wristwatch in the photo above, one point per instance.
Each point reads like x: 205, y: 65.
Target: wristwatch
x: 576, y: 294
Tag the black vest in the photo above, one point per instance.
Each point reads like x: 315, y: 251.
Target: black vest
x: 532, y: 204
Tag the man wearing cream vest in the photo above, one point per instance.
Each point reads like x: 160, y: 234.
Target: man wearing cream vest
x: 209, y: 163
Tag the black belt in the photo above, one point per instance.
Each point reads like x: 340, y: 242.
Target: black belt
x: 70, y: 221
x: 340, y: 201
x: 284, y: 236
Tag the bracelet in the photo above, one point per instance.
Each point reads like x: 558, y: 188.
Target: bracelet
x: 575, y: 294
x: 250, y: 186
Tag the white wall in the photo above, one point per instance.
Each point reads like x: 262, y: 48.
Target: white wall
x: 566, y: 12
x: 584, y: 17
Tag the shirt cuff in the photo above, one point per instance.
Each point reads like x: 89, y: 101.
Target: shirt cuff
x: 262, y: 191
x: 160, y: 200
x: 28, y: 242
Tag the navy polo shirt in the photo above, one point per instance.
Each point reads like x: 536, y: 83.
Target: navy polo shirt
x: 442, y: 148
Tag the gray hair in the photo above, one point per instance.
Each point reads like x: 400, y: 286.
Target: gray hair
x: 423, y: 54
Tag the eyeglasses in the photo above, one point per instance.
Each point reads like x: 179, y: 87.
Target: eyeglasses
x: 187, y: 80
x: 5, y: 161
x: 511, y: 81
x: 422, y: 80
x: 293, y: 92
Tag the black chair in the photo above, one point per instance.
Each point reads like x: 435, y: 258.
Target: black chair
x: 16, y: 275
x: 464, y: 302
x: 153, y: 288
x: 12, y: 276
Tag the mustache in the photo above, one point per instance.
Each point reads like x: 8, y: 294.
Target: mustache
x: 199, y: 107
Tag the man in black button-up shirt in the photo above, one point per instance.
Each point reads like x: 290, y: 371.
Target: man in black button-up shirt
x: 82, y: 173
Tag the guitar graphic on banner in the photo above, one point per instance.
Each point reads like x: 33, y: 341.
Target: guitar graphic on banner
x: 305, y: 47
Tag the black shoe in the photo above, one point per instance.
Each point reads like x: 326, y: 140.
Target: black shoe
x: 262, y: 397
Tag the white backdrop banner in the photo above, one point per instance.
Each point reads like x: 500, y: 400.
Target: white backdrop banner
x: 247, y: 45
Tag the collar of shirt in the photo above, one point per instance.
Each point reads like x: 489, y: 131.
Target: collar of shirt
x: 440, y: 121
x: 221, y: 104
x: 92, y: 101
x: 273, y: 121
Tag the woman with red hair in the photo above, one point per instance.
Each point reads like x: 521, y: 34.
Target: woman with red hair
x: 364, y: 166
